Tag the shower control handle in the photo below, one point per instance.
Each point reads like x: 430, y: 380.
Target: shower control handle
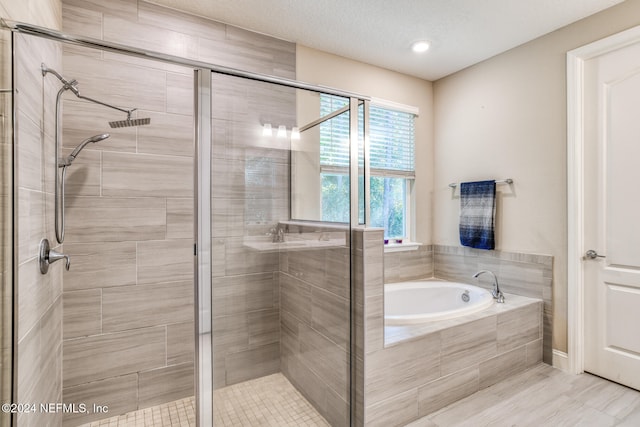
x: 48, y: 256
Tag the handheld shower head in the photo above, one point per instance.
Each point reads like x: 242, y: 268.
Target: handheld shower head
x: 78, y: 149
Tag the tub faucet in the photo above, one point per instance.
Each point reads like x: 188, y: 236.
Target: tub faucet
x: 497, y: 294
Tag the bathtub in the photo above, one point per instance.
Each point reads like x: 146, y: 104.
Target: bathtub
x: 429, y: 300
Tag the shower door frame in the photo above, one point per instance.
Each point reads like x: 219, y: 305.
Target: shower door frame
x: 203, y: 264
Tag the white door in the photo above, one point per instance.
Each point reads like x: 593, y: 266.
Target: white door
x: 612, y: 215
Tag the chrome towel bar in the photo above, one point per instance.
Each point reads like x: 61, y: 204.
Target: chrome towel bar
x: 502, y: 181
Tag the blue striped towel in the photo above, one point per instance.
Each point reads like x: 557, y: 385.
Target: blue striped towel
x: 477, y: 212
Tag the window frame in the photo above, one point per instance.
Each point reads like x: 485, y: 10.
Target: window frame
x: 409, y: 177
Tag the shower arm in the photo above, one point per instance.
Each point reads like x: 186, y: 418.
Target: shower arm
x: 77, y: 93
x: 71, y: 85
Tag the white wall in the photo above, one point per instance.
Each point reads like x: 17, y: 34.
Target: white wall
x: 506, y: 118
x: 322, y: 68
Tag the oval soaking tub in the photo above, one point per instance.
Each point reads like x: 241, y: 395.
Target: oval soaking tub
x: 424, y: 301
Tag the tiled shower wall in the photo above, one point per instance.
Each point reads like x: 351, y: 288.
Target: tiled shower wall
x: 315, y: 321
x: 39, y: 349
x: 128, y: 301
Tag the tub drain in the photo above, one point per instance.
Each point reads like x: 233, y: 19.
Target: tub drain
x: 465, y: 296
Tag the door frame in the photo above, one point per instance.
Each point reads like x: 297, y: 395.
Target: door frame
x: 575, y: 186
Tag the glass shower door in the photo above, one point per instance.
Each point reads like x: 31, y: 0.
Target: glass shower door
x: 281, y: 287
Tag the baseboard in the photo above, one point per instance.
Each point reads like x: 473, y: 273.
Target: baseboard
x: 560, y: 360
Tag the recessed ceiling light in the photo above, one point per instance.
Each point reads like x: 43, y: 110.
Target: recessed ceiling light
x: 420, y: 46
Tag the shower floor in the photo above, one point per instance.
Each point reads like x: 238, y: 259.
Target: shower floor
x: 266, y: 401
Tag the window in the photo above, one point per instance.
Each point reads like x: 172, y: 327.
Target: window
x: 391, y: 146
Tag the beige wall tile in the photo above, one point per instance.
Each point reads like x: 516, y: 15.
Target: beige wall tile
x: 119, y: 394
x: 252, y: 363
x: 408, y: 265
x: 168, y: 134
x: 36, y: 293
x: 29, y: 354
x: 151, y: 14
x: 39, y: 357
x: 289, y: 342
x: 179, y: 94
x: 83, y: 176
x: 374, y: 323
x: 295, y: 297
x: 396, y: 411
x: 163, y: 39
x: 329, y: 361
x: 142, y: 175
x: 118, y: 83
x: 180, y: 219
x: 239, y: 294
x: 230, y: 334
x: 100, y: 265
x: 82, y: 313
x: 165, y: 385
x: 31, y: 223
x: 519, y: 327
x: 29, y: 84
x: 309, y: 266
x: 228, y: 216
x: 30, y: 153
x: 78, y: 20
x: 502, y: 366
x: 165, y: 261
x: 123, y: 8
x: 534, y: 353
x: 412, y: 364
x: 139, y: 306
x: 330, y: 316
x: 448, y: 389
x: 240, y: 259
x: 93, y: 219
x: 338, y: 271
x: 110, y: 355
x: 180, y: 343
x: 264, y: 327
x: 306, y: 381
x: 337, y: 411
x: 468, y: 344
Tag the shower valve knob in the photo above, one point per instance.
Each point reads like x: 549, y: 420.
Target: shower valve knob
x: 48, y: 256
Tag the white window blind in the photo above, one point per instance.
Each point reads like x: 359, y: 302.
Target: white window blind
x: 391, y: 139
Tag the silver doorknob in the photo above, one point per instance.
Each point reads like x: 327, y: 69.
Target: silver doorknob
x: 591, y: 254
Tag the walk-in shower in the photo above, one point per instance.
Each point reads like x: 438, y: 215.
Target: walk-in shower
x: 272, y: 320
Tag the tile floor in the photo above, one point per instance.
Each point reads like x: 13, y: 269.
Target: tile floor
x: 540, y: 397
x: 266, y: 401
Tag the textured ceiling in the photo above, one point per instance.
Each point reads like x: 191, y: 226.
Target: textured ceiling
x: 380, y: 32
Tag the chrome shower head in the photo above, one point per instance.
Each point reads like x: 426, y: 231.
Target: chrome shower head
x: 130, y: 122
x: 78, y: 149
